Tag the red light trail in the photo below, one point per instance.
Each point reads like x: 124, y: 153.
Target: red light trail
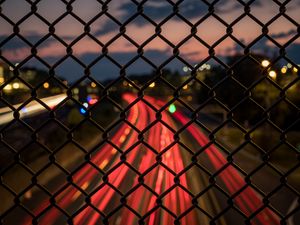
x: 160, y: 198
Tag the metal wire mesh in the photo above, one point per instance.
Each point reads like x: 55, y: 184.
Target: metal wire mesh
x: 143, y: 167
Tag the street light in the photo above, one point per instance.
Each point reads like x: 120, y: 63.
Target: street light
x: 46, y: 85
x: 295, y: 69
x: 16, y: 85
x: 186, y: 69
x: 152, y: 85
x: 273, y: 74
x: 7, y: 87
x: 265, y: 63
x: 284, y: 70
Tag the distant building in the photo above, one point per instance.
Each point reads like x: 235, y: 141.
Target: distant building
x: 29, y: 73
x: 32, y: 76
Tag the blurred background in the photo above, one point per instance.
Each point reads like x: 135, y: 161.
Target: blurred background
x: 63, y: 76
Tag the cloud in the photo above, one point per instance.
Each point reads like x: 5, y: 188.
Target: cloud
x: 158, y: 10
x: 107, y: 27
x: 227, y: 6
x: 17, y: 43
x: 287, y: 34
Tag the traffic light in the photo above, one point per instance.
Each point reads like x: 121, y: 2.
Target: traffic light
x: 172, y: 108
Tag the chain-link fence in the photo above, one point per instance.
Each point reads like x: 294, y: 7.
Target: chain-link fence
x: 149, y: 112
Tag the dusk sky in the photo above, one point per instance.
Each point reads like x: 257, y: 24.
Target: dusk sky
x: 139, y: 30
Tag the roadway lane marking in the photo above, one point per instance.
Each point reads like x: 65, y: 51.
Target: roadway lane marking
x: 103, y: 164
x: 118, y: 220
x: 168, y: 153
x: 78, y: 193
x: 85, y: 185
x: 294, y: 204
x: 122, y: 139
x: 127, y: 131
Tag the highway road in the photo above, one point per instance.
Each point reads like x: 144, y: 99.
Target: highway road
x: 151, y: 178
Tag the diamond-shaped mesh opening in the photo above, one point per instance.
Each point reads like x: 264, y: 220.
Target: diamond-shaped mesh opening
x: 37, y: 159
x: 125, y: 215
x: 43, y: 7
x: 192, y: 9
x: 63, y: 218
x: 140, y: 31
x: 262, y: 184
x: 80, y: 49
x: 89, y: 11
x: 149, y: 112
x: 7, y: 201
x: 285, y: 26
x: 10, y: 217
x: 75, y: 29
x: 240, y: 33
x: 103, y: 197
x: 28, y: 199
x: 206, y: 201
x: 77, y: 71
x: 7, y: 155
x: 139, y: 206
x: 16, y: 185
x: 9, y: 50
x: 75, y: 151
x: 225, y: 12
x: 292, y: 179
x: 248, y: 158
x: 23, y: 135
x: 57, y: 140
x: 9, y: 10
x: 174, y: 36
x: 290, y: 158
x: 205, y: 30
x: 260, y: 137
x: 87, y: 126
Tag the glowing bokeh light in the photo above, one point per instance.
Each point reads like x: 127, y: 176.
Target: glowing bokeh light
x: 86, y: 105
x: 82, y: 111
x: 172, y: 108
x: 93, y: 101
x: 273, y: 74
x: 152, y: 85
x: 8, y: 87
x: 46, y: 85
x: 284, y: 70
x: 265, y: 63
x: 16, y: 85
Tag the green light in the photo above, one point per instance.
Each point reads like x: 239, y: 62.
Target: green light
x: 172, y: 108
